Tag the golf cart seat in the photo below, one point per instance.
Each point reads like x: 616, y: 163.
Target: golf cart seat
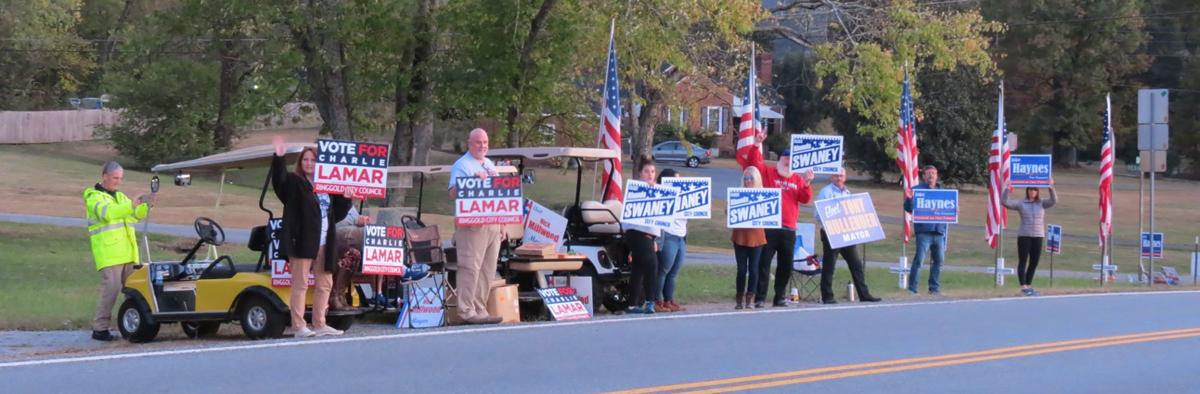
x: 602, y: 218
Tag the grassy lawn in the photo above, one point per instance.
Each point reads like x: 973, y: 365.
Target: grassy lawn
x: 48, y: 279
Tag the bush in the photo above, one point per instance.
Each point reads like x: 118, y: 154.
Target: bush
x: 166, y: 111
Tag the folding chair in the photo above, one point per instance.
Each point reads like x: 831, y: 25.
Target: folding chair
x: 1168, y: 276
x: 424, y: 247
x: 806, y: 278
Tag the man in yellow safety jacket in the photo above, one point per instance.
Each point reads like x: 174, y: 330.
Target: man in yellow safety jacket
x: 111, y: 217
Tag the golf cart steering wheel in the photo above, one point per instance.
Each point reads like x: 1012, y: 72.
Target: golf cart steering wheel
x: 209, y: 231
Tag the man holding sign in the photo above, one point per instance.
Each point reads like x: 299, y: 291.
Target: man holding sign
x: 931, y: 236
x: 837, y: 188
x: 478, y: 246
x: 796, y: 190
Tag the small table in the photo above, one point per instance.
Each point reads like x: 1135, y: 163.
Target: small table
x: 543, y: 265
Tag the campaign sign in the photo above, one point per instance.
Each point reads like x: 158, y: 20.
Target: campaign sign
x: 543, y: 225
x: 492, y: 200
x: 649, y: 205
x: 423, y: 303
x: 1054, y: 238
x: 281, y: 273
x: 806, y: 243
x: 849, y: 220
x: 695, y: 196
x: 935, y: 206
x: 563, y: 304
x: 581, y: 286
x: 1155, y: 249
x: 821, y: 153
x: 383, y: 250
x: 342, y: 165
x: 1030, y: 170
x: 750, y: 207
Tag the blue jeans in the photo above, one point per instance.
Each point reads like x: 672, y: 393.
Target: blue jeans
x: 670, y: 258
x: 936, y: 244
x: 747, y: 265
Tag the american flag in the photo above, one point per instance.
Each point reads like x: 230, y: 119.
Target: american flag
x: 998, y: 173
x: 1106, y: 176
x: 906, y: 150
x: 748, y: 119
x: 610, y: 124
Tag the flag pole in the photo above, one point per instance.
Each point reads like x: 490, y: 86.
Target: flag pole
x: 612, y: 29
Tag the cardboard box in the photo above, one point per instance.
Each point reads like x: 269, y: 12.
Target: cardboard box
x: 503, y: 302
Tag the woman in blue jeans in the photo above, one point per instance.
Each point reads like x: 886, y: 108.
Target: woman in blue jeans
x: 670, y: 258
x: 747, y: 251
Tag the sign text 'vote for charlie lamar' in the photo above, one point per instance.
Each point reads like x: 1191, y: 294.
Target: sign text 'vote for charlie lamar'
x: 492, y: 200
x: 383, y: 250
x: 342, y: 165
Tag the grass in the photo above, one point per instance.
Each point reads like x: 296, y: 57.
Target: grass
x: 48, y: 279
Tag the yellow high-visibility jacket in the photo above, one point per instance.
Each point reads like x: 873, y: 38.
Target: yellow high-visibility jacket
x: 111, y: 221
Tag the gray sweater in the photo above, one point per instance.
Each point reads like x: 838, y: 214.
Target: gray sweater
x: 1033, y: 213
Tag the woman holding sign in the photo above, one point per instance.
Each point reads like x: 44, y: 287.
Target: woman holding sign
x: 747, y: 249
x: 1032, y: 234
x: 644, y: 251
x: 306, y: 238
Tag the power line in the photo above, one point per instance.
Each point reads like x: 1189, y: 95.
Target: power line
x: 1107, y: 18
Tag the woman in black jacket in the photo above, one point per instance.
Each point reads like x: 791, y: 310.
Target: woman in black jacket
x: 307, y: 238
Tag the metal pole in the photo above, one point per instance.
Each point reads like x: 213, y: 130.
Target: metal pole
x: 1052, y: 267
x: 1195, y: 256
x: 1141, y: 217
x: 1153, y: 169
x: 220, y: 190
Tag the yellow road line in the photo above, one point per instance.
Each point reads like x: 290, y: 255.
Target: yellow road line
x: 997, y: 353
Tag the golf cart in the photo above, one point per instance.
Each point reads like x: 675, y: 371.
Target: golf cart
x: 593, y: 228
x: 201, y: 294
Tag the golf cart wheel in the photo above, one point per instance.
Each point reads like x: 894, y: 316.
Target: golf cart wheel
x: 342, y: 322
x: 200, y: 329
x: 693, y: 162
x: 260, y: 319
x: 614, y: 301
x: 134, y: 322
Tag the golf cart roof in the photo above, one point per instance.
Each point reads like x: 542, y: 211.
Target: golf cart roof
x: 543, y: 153
x: 239, y: 158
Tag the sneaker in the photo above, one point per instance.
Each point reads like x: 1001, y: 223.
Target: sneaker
x: 758, y: 304
x: 913, y: 292
x: 779, y: 303
x: 662, y: 306
x: 327, y: 331
x: 305, y: 333
x: 649, y: 308
x: 870, y: 298
x: 635, y: 309
x: 1026, y: 292
x: 676, y: 307
x: 1034, y: 292
x: 829, y: 301
x: 103, y: 336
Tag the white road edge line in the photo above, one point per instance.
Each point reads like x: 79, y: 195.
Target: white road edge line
x: 283, y: 343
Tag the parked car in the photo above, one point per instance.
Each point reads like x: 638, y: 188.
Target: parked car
x: 674, y: 151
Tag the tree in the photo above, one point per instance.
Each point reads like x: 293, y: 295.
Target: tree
x: 1060, y: 58
x: 959, y: 111
x: 44, y: 62
x: 865, y: 47
x: 314, y: 27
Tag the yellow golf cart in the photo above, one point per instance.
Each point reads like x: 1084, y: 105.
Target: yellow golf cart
x: 201, y: 294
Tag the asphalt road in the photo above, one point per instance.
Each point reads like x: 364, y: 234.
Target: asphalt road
x: 1120, y: 343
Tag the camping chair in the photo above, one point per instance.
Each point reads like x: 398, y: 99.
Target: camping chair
x: 424, y: 247
x: 1168, y: 276
x: 807, y: 278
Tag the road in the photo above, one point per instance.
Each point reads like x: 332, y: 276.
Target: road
x: 1118, y: 343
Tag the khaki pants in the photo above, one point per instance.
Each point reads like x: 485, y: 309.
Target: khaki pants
x: 478, y: 248
x: 324, y: 283
x: 112, y: 280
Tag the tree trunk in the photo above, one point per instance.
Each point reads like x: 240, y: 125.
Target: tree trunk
x: 227, y: 91
x: 647, y: 121
x: 325, y: 67
x: 524, y: 68
x: 421, y: 92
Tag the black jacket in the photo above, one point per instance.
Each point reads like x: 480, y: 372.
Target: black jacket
x: 302, y: 215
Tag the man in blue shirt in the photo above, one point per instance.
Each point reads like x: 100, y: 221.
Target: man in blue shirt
x: 930, y: 236
x: 837, y: 188
x: 477, y: 247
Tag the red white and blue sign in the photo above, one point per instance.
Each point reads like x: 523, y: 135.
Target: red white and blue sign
x: 492, y: 200
x: 1054, y: 238
x: 849, y: 220
x: 935, y: 206
x: 281, y: 272
x: 647, y: 205
x: 1031, y: 170
x: 695, y: 196
x: 383, y: 250
x: 342, y: 165
x: 1152, y: 249
x: 751, y: 207
x: 820, y: 153
x: 563, y: 304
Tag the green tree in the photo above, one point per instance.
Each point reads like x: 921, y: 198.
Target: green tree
x: 1060, y: 58
x: 44, y: 61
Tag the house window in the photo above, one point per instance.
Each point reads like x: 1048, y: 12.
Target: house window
x: 683, y: 115
x: 714, y: 119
